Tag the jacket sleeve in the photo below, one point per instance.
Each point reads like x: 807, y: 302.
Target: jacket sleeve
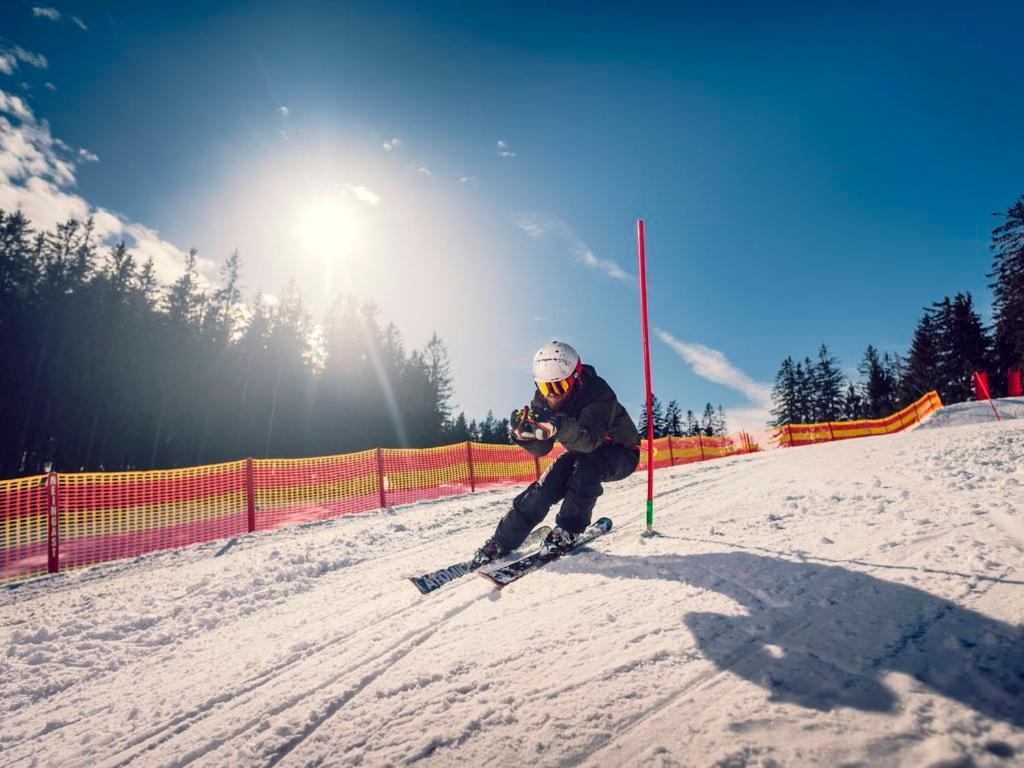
x: 585, y: 433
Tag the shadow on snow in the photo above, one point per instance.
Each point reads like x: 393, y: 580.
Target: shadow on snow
x: 823, y: 636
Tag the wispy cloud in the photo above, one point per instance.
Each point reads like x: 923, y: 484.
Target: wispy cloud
x: 11, y: 57
x: 503, y: 150
x: 362, y: 194
x: 50, y: 86
x: 38, y: 176
x: 465, y: 179
x: 538, y: 225
x: 43, y: 12
x: 712, y: 365
x: 283, y: 111
x: 390, y: 144
x: 89, y: 157
x: 425, y: 171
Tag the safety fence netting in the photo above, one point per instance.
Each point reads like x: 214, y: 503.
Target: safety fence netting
x: 57, y: 521
x: 826, y: 431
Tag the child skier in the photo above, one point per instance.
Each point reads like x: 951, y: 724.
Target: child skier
x: 577, y: 407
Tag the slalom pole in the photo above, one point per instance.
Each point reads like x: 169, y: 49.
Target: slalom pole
x: 647, y: 376
x: 984, y: 389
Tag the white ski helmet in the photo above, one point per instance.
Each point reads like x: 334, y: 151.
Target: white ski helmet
x: 556, y: 368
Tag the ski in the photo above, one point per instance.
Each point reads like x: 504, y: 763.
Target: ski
x: 506, y: 574
x: 428, y: 582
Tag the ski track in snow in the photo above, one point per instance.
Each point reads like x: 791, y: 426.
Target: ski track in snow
x: 854, y: 603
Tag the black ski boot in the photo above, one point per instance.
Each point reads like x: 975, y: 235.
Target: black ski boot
x: 489, y: 552
x: 558, y: 541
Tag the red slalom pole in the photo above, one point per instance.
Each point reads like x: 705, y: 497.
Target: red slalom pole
x: 984, y: 390
x: 647, y: 376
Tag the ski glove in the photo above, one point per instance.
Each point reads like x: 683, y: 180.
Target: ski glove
x: 531, y: 424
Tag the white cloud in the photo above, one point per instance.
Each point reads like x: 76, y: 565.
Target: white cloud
x: 10, y: 57
x: 391, y: 144
x: 464, y: 179
x: 362, y: 194
x: 51, y: 87
x: 501, y: 144
x: 537, y: 225
x: 50, y: 13
x: 425, y: 171
x: 712, y: 365
x: 503, y: 150
x: 283, y: 111
x: 37, y: 176
x: 79, y: 23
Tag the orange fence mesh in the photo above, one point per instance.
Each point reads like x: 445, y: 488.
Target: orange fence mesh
x: 289, y: 491
x: 807, y: 434
x: 110, y: 515
x: 23, y: 530
x: 99, y: 516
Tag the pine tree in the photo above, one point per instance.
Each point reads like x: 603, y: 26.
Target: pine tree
x: 922, y: 370
x: 1008, y: 286
x: 673, y: 419
x: 828, y: 395
x: 853, y: 404
x: 963, y: 347
x: 721, y: 427
x: 459, y: 430
x: 659, y: 417
x: 658, y: 420
x: 878, y: 387
x: 692, y: 427
x: 439, y: 368
x: 785, y: 396
x: 708, y: 421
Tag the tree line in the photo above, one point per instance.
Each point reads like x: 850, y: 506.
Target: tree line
x: 105, y: 368
x: 670, y: 421
x: 949, y: 344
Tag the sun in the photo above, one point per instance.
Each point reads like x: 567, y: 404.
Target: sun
x: 328, y: 227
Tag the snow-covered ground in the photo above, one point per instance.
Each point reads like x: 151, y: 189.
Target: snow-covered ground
x: 856, y: 603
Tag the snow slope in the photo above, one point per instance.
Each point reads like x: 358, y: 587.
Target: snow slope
x: 974, y: 412
x: 855, y: 603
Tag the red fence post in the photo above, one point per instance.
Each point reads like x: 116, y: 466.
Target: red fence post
x: 469, y: 457
x: 536, y: 465
x: 831, y: 434
x: 789, y: 434
x: 671, y: 456
x: 53, y: 525
x: 380, y: 479
x: 700, y: 442
x: 250, y: 496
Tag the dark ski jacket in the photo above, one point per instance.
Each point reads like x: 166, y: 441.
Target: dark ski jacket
x: 591, y: 418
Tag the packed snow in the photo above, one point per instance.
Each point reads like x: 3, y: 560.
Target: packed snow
x: 978, y: 411
x: 854, y: 603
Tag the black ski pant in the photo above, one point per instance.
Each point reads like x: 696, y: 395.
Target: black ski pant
x: 575, y: 480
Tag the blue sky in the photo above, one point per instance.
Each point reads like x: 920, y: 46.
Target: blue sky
x: 807, y: 174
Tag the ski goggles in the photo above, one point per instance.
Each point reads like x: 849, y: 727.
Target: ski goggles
x: 561, y: 386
